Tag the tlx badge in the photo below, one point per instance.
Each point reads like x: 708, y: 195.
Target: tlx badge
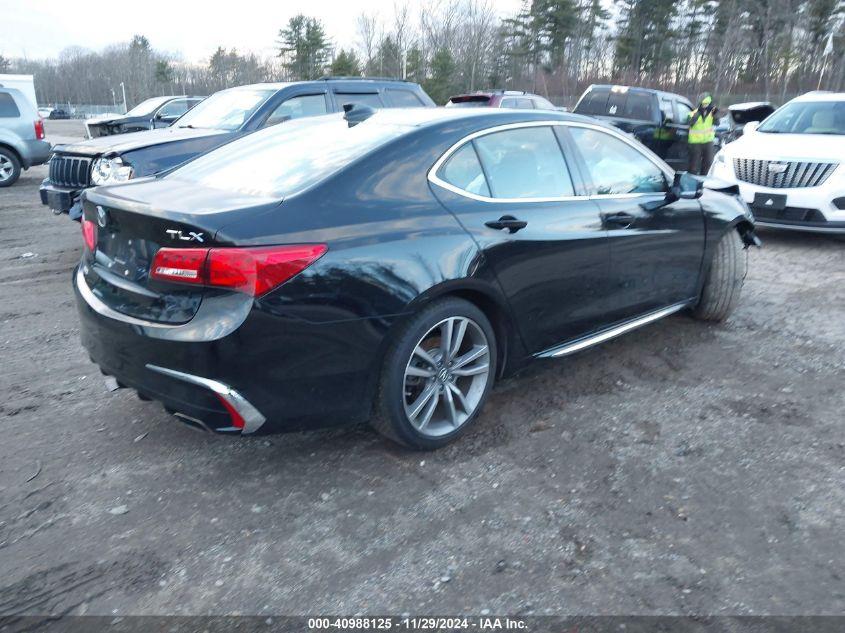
x: 185, y: 236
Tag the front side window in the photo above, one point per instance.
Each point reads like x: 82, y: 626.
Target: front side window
x: 8, y: 107
x: 464, y: 171
x: 524, y: 163
x: 298, y: 107
x: 615, y: 166
x: 175, y: 108
x: 667, y: 111
x: 226, y: 110
x: 364, y: 98
x: 683, y: 112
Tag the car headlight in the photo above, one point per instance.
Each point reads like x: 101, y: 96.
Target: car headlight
x: 106, y: 171
x: 719, y: 159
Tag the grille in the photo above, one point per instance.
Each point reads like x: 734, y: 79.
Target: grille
x: 69, y: 171
x: 796, y: 174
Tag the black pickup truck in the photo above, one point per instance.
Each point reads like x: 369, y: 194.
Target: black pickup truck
x: 659, y: 120
x: 222, y: 117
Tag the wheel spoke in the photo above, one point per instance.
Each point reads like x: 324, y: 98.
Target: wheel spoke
x: 458, y: 339
x: 421, y: 401
x: 461, y: 398
x: 446, y: 337
x: 450, y: 407
x: 421, y: 372
x: 426, y: 416
x: 474, y: 354
x: 420, y: 352
x: 471, y: 371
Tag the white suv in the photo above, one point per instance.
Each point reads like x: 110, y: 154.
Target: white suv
x: 791, y: 168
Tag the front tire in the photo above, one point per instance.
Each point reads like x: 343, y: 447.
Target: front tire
x: 437, y: 375
x: 723, y: 285
x: 10, y: 168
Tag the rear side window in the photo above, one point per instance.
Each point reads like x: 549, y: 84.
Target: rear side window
x: 8, y: 107
x: 614, y: 166
x: 365, y: 98
x: 398, y: 98
x: 464, y: 171
x: 594, y: 102
x: 524, y: 163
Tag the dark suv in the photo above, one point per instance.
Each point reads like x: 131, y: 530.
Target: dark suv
x: 220, y: 118
x: 501, y: 99
x: 659, y: 120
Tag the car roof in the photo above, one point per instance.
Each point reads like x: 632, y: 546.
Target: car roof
x: 278, y: 85
x: 636, y: 89
x: 497, y: 91
x: 821, y: 95
x: 423, y: 117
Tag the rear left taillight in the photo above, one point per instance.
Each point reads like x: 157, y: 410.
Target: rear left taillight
x: 39, y: 129
x: 89, y: 234
x: 254, y: 271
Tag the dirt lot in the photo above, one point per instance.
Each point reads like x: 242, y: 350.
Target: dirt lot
x: 685, y: 468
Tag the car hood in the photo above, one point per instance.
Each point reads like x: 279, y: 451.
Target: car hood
x: 808, y: 147
x: 134, y: 140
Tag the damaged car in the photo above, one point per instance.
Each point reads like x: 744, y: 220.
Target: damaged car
x: 392, y: 265
x: 151, y: 114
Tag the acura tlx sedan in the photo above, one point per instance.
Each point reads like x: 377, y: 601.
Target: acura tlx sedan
x: 390, y: 265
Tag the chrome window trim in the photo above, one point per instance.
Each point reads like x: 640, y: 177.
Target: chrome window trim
x: 435, y: 179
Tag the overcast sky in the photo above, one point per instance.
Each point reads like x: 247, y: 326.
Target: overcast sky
x: 42, y: 28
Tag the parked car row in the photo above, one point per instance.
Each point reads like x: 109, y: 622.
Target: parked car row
x: 376, y: 258
x: 219, y: 119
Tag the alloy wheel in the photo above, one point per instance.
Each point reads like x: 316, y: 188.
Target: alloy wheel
x: 6, y: 168
x: 446, y: 376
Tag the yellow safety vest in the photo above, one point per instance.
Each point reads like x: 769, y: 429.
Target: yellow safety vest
x: 702, y: 131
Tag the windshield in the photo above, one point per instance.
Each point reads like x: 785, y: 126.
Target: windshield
x: 807, y: 117
x: 225, y: 110
x: 147, y: 106
x: 288, y: 158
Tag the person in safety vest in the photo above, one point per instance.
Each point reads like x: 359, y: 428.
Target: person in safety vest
x: 702, y: 133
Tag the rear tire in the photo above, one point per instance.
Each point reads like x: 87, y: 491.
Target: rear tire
x: 430, y: 391
x: 10, y: 168
x: 723, y: 285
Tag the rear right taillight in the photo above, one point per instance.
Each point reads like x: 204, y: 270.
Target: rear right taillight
x: 39, y: 129
x: 89, y: 234
x: 251, y: 270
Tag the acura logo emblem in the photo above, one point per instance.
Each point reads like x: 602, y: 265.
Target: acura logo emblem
x: 102, y: 217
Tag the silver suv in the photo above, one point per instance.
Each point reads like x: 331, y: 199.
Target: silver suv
x: 22, y: 143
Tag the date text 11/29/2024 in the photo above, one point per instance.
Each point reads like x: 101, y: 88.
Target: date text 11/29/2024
x: 421, y: 623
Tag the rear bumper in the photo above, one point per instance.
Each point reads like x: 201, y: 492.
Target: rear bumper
x: 35, y: 153
x: 280, y: 374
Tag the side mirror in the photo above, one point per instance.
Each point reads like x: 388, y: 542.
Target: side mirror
x: 750, y: 127
x: 686, y: 186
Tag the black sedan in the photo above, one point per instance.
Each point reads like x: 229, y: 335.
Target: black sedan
x: 390, y: 265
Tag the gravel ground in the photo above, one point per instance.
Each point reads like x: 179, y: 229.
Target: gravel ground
x: 685, y: 468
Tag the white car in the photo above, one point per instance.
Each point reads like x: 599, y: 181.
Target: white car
x: 791, y: 167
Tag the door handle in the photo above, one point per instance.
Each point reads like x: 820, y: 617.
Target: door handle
x: 620, y: 220
x: 508, y: 222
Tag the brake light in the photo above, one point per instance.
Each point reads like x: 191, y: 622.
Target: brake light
x: 89, y: 234
x: 39, y: 129
x: 254, y: 271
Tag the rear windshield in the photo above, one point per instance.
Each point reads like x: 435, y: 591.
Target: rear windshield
x: 626, y: 105
x: 288, y: 158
